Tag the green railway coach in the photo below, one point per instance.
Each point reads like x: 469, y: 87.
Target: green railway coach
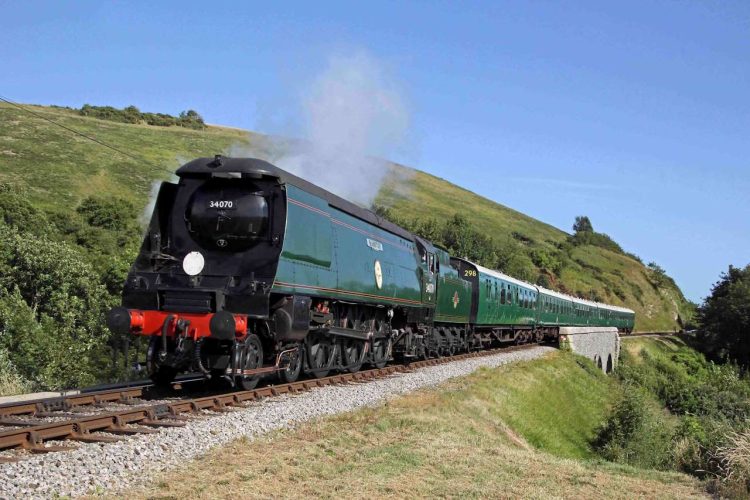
x: 557, y: 309
x: 503, y: 308
x: 554, y: 308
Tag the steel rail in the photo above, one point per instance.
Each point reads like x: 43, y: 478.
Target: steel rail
x: 145, y: 419
x: 111, y: 393
x: 646, y: 334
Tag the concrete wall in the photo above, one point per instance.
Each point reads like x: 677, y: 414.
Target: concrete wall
x: 599, y: 344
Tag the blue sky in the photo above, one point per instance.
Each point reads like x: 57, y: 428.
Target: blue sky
x: 636, y: 114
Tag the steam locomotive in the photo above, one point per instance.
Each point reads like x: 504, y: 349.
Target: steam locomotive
x: 247, y: 270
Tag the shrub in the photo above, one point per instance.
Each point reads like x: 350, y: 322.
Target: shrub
x: 636, y: 432
x: 544, y: 259
x: 51, y: 311
x: 17, y: 212
x: 110, y: 213
x: 595, y: 239
x: 131, y: 114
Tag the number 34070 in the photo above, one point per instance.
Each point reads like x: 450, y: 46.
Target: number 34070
x: 221, y: 204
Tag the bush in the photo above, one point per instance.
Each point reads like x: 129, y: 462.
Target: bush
x: 636, y: 433
x: 546, y: 260
x: 131, y: 114
x: 17, y: 212
x: 595, y: 239
x: 52, y: 306
x: 116, y: 214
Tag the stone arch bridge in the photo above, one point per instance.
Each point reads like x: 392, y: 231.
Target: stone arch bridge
x: 599, y: 344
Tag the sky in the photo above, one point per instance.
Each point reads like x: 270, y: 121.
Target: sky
x: 636, y: 114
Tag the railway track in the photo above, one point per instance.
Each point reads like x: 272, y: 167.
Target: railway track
x: 646, y: 334
x: 51, y: 425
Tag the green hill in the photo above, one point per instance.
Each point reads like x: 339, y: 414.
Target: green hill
x: 58, y: 170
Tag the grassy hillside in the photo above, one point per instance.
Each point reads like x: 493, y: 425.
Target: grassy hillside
x: 517, y: 431
x: 60, y: 170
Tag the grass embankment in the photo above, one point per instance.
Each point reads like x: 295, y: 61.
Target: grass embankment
x: 481, y: 436
x: 60, y: 170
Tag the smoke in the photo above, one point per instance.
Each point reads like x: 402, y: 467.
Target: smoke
x: 145, y: 217
x: 353, y: 115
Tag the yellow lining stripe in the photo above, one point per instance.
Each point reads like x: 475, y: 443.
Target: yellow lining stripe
x: 347, y: 292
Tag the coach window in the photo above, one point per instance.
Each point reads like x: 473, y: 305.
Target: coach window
x: 502, y: 295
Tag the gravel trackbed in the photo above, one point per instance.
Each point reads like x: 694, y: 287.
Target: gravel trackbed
x: 111, y: 467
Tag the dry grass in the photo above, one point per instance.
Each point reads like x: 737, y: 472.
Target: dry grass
x: 451, y: 442
x: 654, y: 346
x: 11, y: 382
x: 734, y: 460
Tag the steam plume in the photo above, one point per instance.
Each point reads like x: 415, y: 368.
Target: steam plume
x: 353, y: 115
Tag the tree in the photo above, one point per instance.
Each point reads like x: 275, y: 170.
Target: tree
x: 658, y: 274
x: 582, y: 225
x: 724, y: 317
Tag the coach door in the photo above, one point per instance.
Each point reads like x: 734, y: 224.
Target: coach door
x: 428, y: 270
